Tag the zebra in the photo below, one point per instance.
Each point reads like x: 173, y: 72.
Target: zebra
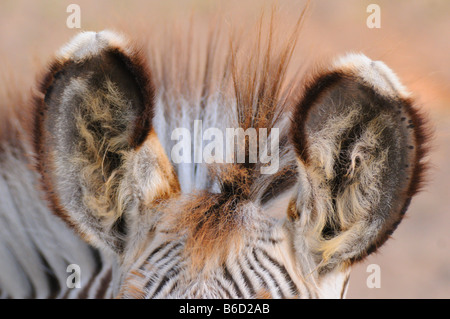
x: 87, y: 179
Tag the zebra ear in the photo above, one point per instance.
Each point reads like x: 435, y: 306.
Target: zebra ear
x: 360, y: 145
x: 95, y: 147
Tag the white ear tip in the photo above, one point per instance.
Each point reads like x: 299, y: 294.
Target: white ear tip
x: 87, y: 44
x: 374, y: 73
x: 351, y: 59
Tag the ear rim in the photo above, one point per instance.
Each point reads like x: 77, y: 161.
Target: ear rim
x: 323, y: 79
x: 419, y: 173
x: 133, y: 57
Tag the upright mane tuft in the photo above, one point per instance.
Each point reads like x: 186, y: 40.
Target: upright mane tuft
x: 229, y: 80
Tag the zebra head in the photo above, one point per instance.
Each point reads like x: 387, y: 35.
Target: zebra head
x: 351, y: 149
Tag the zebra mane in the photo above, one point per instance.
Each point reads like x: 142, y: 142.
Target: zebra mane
x: 226, y: 79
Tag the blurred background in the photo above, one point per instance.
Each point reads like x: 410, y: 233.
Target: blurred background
x: 414, y: 40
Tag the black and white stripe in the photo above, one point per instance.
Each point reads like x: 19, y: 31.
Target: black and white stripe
x: 256, y: 271
x: 165, y: 265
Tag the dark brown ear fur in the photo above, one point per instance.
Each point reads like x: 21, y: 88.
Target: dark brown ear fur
x: 362, y: 148
x: 94, y: 105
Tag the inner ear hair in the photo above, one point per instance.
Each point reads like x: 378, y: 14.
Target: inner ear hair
x: 361, y: 145
x: 93, y: 114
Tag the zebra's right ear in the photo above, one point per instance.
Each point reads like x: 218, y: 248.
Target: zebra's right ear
x: 96, y: 150
x: 360, y: 144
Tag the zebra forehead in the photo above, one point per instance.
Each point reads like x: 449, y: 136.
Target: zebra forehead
x: 213, y: 225
x: 260, y: 270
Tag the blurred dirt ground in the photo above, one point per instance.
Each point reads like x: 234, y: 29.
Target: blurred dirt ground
x: 414, y: 40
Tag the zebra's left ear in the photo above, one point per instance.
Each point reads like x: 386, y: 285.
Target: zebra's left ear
x: 101, y: 163
x: 360, y: 145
